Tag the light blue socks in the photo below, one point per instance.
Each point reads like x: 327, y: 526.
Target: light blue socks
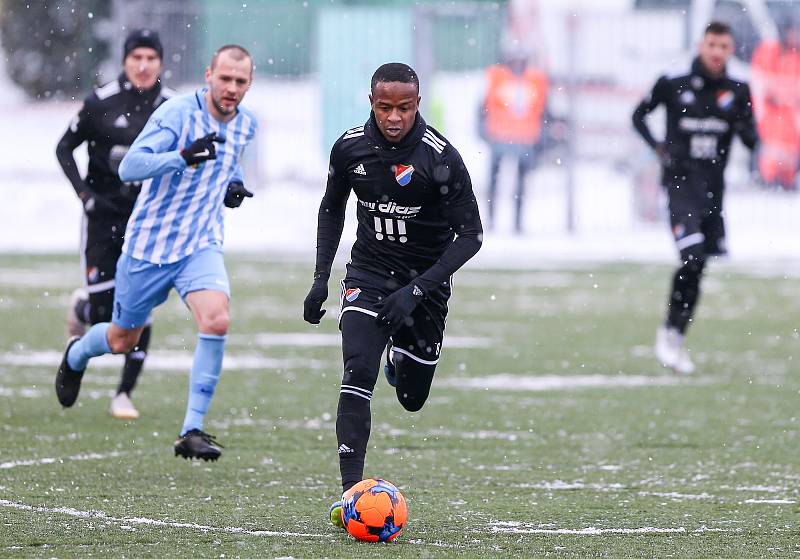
x: 206, y: 369
x: 92, y: 344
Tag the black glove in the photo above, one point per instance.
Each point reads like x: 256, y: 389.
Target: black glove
x: 394, y: 310
x: 236, y: 194
x: 201, y: 149
x: 312, y: 306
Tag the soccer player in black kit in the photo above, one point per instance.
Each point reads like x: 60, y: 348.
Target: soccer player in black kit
x: 705, y: 107
x: 110, y: 119
x: 418, y: 223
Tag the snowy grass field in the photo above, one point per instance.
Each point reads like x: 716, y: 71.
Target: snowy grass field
x: 550, y: 431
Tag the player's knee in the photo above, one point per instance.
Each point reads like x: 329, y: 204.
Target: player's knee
x: 693, y: 263
x: 409, y: 402
x: 123, y: 342
x: 357, y: 372
x: 413, y: 382
x: 215, y: 323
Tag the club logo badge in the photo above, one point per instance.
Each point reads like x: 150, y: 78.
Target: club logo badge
x: 402, y: 173
x: 92, y: 274
x: 725, y: 99
x: 352, y: 294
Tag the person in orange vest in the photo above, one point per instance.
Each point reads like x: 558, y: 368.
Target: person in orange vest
x: 776, y: 97
x: 511, y: 121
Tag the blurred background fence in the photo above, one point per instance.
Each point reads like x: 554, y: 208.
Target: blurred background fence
x: 313, y: 58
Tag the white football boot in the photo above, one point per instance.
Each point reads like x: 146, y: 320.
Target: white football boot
x: 122, y: 407
x: 670, y: 351
x: 75, y: 325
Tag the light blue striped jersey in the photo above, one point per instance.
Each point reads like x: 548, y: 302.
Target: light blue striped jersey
x: 180, y: 209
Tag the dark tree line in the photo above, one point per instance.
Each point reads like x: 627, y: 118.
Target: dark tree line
x: 53, y: 47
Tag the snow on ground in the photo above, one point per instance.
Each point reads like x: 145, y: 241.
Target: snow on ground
x: 41, y: 212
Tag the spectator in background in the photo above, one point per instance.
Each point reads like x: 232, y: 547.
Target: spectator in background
x: 776, y: 98
x: 511, y: 122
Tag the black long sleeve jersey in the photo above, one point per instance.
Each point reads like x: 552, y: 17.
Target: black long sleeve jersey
x: 109, y: 121
x: 703, y: 113
x: 417, y: 215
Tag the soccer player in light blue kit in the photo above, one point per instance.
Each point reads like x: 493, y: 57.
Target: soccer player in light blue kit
x: 188, y: 155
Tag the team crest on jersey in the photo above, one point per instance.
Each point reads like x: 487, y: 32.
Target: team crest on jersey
x: 402, y: 173
x: 92, y: 274
x: 679, y: 231
x: 725, y: 99
x: 352, y: 294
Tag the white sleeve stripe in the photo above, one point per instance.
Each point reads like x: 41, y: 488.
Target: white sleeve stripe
x: 414, y: 357
x: 350, y: 386
x: 690, y: 240
x: 432, y: 144
x: 111, y: 88
x: 343, y: 391
x: 353, y: 135
x: 436, y: 139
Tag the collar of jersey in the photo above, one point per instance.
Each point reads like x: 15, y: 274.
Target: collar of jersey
x: 394, y: 151
x: 126, y: 86
x: 699, y: 70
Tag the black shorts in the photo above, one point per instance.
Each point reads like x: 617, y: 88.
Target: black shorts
x: 421, y: 341
x: 102, y: 246
x: 695, y: 212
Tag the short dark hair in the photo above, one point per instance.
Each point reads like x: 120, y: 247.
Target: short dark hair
x: 237, y: 52
x: 394, y: 72
x: 718, y: 28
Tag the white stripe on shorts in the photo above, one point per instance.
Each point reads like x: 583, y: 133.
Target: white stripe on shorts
x: 359, y: 309
x: 100, y: 287
x: 414, y: 357
x: 690, y: 240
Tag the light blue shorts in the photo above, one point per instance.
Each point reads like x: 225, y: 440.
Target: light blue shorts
x: 141, y: 286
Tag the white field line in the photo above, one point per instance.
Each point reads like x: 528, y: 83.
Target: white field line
x: 172, y: 360
x: 521, y: 528
x: 308, y: 339
x: 559, y: 485
x: 44, y: 461
x: 675, y: 496
x: 127, y: 522
x: 565, y: 382
x: 757, y: 488
x: 770, y: 501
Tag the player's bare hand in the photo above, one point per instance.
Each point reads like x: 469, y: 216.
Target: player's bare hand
x: 312, y: 306
x: 394, y: 310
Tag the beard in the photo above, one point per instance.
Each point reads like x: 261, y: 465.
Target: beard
x: 224, y: 109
